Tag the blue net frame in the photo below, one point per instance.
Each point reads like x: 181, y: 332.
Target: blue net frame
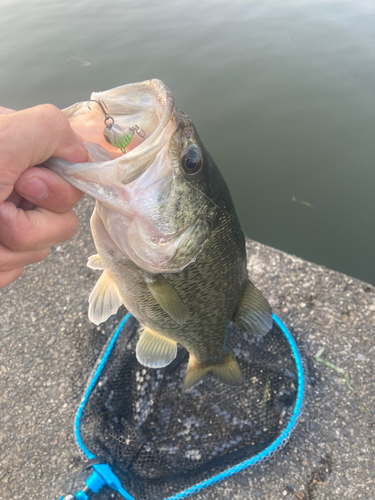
x: 103, y: 475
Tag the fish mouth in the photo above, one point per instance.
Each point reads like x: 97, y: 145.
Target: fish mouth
x: 148, y: 106
x: 136, y: 182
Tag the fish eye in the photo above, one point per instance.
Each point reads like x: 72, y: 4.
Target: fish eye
x: 191, y: 160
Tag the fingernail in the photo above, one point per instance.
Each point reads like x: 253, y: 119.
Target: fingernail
x: 33, y: 188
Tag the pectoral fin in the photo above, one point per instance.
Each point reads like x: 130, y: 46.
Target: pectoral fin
x: 94, y: 262
x: 154, y: 350
x: 254, y: 313
x: 104, y: 300
x: 167, y: 297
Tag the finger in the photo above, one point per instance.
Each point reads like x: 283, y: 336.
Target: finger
x: 6, y: 111
x: 15, y: 198
x: 31, y: 136
x: 7, y: 277
x: 26, y: 204
x: 35, y: 229
x: 20, y: 202
x: 46, y: 189
x: 10, y: 259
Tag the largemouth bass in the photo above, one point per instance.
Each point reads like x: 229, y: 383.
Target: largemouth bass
x: 169, y: 242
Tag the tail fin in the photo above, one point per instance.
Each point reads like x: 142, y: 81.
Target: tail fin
x: 227, y: 371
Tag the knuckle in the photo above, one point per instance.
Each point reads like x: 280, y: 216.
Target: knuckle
x: 22, y: 241
x: 22, y: 237
x: 51, y: 114
x: 48, y: 109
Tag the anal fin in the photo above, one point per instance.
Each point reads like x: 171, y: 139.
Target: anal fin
x: 254, y: 313
x: 155, y: 350
x: 104, y: 299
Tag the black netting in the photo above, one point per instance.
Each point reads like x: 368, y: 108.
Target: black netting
x: 160, y: 440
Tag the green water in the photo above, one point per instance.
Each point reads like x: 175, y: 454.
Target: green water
x: 281, y: 92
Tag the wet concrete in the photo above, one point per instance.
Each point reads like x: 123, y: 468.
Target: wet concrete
x: 48, y: 347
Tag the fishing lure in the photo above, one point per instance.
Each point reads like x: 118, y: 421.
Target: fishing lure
x: 113, y: 133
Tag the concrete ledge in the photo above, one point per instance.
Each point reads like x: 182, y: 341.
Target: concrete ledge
x: 48, y: 347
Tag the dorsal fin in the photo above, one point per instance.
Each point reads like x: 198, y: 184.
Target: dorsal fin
x: 254, y: 313
x: 104, y: 299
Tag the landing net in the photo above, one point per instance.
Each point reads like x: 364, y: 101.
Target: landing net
x: 164, y: 443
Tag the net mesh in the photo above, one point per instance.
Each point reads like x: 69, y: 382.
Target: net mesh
x: 161, y: 441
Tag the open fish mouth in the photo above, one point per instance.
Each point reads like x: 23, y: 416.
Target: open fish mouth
x: 142, y: 110
x: 148, y: 106
x: 155, y: 217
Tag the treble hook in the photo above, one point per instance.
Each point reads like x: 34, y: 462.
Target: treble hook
x: 108, y: 120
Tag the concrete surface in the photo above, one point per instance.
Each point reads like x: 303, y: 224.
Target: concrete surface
x: 48, y: 347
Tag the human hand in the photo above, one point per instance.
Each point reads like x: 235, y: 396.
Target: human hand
x: 35, y: 203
